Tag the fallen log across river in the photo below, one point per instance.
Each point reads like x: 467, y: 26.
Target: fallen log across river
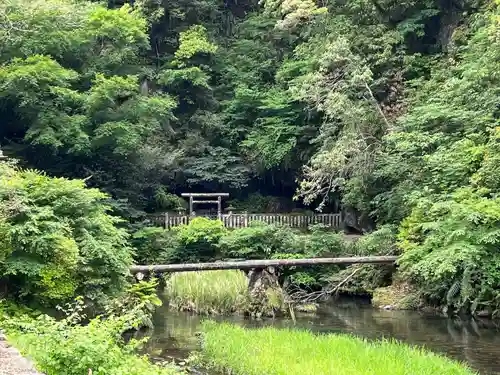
x: 250, y: 264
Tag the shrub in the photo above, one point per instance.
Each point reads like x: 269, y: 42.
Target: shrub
x: 258, y: 241
x: 239, y: 351
x: 322, y: 241
x: 381, y: 242
x: 168, y: 201
x: 67, y: 348
x: 319, y: 242
x: 365, y: 278
x: 450, y: 250
x: 155, y: 245
x: 208, y: 292
x: 141, y: 299
x: 57, y: 239
x: 198, y: 240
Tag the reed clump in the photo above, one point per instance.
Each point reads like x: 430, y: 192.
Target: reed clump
x: 209, y: 292
x: 239, y: 351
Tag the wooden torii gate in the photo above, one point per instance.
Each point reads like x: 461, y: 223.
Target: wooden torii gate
x: 192, y: 202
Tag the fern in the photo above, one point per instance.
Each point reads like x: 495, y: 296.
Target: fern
x: 452, y: 293
x: 466, y: 287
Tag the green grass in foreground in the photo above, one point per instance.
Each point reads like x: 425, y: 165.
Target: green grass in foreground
x: 208, y: 292
x: 291, y: 352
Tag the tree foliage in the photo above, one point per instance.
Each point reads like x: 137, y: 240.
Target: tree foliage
x: 387, y: 109
x: 58, y: 239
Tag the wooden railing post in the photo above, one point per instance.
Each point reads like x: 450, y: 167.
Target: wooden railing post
x: 166, y: 220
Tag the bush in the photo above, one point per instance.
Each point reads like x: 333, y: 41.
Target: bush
x: 67, y: 348
x: 240, y: 351
x: 155, y: 245
x: 450, y: 250
x: 381, y: 242
x: 168, y: 201
x: 208, y: 292
x: 198, y: 240
x: 258, y: 241
x: 264, y: 241
x: 365, y: 278
x: 139, y: 298
x: 194, y: 242
x: 57, y: 239
x: 321, y: 241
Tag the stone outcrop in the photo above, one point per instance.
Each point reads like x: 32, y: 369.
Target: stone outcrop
x: 267, y: 298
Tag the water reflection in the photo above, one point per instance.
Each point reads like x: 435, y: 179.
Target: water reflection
x: 476, y: 342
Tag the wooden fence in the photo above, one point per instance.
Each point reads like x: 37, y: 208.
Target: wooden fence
x: 169, y: 220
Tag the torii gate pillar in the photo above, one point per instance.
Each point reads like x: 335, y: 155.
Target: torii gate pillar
x: 192, y: 202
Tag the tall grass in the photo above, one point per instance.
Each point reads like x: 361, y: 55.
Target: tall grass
x: 209, y: 292
x: 241, y: 351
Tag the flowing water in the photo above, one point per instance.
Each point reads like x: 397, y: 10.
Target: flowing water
x: 475, y: 342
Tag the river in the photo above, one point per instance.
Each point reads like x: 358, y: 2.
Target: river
x: 476, y: 342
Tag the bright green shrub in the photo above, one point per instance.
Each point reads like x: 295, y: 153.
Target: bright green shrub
x: 68, y: 348
x: 322, y: 241
x: 139, y: 298
x: 58, y: 239
x: 380, y: 242
x: 258, y: 241
x: 451, y: 250
x: 198, y: 240
x: 168, y: 201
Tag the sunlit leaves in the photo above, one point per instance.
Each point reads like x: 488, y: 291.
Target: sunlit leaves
x: 192, y: 75
x: 30, y: 80
x: 87, y: 37
x: 192, y: 42
x: 29, y: 27
x: 108, y: 93
x: 271, y: 141
x: 293, y: 12
x: 122, y: 117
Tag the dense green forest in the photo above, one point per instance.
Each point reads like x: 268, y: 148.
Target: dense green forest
x: 387, y: 108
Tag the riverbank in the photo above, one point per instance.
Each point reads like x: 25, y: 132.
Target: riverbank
x: 68, y: 347
x: 475, y: 341
x: 240, y: 351
x: 12, y: 362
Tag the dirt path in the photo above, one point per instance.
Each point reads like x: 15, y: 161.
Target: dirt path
x: 11, y: 361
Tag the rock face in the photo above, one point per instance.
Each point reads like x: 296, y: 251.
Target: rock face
x: 356, y: 220
x: 11, y: 361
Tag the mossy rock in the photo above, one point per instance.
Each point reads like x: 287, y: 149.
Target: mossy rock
x: 396, y: 297
x: 309, y: 308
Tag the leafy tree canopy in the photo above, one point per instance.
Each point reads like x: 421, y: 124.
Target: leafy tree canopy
x: 386, y: 108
